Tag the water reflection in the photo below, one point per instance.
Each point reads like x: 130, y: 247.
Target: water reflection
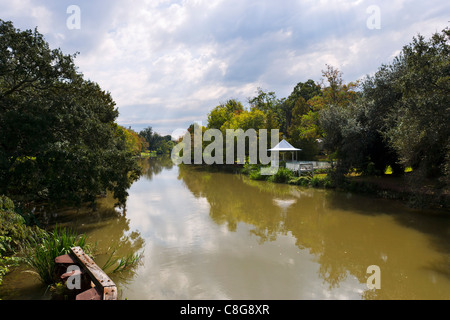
x: 344, y: 232
x: 155, y: 165
x: 212, y: 235
x: 106, y: 226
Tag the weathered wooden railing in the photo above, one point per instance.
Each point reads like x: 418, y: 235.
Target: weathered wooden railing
x: 94, y: 283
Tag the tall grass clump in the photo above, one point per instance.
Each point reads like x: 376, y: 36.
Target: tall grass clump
x: 115, y: 264
x: 41, y: 254
x: 283, y: 175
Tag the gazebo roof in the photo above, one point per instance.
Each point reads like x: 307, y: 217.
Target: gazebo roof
x: 284, y: 146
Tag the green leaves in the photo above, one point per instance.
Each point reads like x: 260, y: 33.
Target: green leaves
x: 402, y: 116
x: 41, y: 253
x: 156, y: 142
x: 58, y: 138
x: 419, y: 125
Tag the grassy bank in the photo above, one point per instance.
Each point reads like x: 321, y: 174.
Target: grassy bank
x: 150, y: 154
x: 415, y: 192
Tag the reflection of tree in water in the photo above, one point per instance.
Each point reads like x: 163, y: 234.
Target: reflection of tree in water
x: 107, y: 227
x: 344, y: 240
x: 155, y: 165
x: 232, y: 201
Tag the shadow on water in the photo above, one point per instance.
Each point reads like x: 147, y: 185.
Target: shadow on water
x: 346, y: 232
x: 105, y: 224
x: 435, y: 224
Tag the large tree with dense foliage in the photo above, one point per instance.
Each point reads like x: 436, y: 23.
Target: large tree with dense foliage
x: 305, y: 130
x: 296, y: 106
x: 401, y: 117
x: 418, y: 127
x: 58, y: 136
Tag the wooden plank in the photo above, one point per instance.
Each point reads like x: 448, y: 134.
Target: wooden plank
x: 110, y: 293
x: 98, y: 276
x: 65, y: 259
x: 91, y: 294
x: 70, y: 274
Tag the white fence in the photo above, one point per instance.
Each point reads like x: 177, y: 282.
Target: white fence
x: 307, y: 166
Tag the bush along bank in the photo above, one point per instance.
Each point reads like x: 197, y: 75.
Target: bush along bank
x: 401, y: 189
x: 15, y: 234
x: 319, y: 179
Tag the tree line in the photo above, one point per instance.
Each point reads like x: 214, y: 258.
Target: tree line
x: 156, y: 142
x: 398, y: 117
x: 59, y: 140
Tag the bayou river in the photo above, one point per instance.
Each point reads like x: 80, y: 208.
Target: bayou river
x: 207, y: 235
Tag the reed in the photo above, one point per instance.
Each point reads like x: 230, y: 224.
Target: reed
x: 115, y: 264
x: 40, y: 254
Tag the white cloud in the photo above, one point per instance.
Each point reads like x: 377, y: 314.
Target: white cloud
x: 176, y: 60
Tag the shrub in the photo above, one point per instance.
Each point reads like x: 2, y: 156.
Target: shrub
x: 13, y: 233
x: 301, y: 181
x: 282, y: 175
x: 256, y: 175
x: 316, y: 182
x: 6, y: 260
x: 328, y: 183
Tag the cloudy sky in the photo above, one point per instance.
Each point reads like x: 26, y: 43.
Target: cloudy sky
x: 168, y: 63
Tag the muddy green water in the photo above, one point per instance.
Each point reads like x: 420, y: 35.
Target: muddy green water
x: 222, y: 236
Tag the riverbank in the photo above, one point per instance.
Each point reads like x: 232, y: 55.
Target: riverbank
x: 415, y: 193
x: 151, y: 154
x: 424, y: 194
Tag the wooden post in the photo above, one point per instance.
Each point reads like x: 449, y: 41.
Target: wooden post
x: 104, y: 285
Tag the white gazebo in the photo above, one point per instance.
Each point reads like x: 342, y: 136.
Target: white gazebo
x: 285, y: 146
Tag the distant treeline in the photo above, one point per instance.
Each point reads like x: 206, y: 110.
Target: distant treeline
x: 155, y: 142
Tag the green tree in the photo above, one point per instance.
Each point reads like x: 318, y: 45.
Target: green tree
x: 401, y: 116
x: 297, y: 103
x: 305, y: 129
x: 272, y: 107
x: 345, y: 137
x: 134, y: 141
x: 58, y: 138
x: 223, y: 113
x: 418, y: 127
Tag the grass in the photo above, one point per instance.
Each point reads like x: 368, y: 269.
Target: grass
x: 149, y: 154
x: 389, y: 170
x: 256, y: 175
x: 309, y: 180
x: 41, y: 254
x: 6, y: 261
x: 115, y: 264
